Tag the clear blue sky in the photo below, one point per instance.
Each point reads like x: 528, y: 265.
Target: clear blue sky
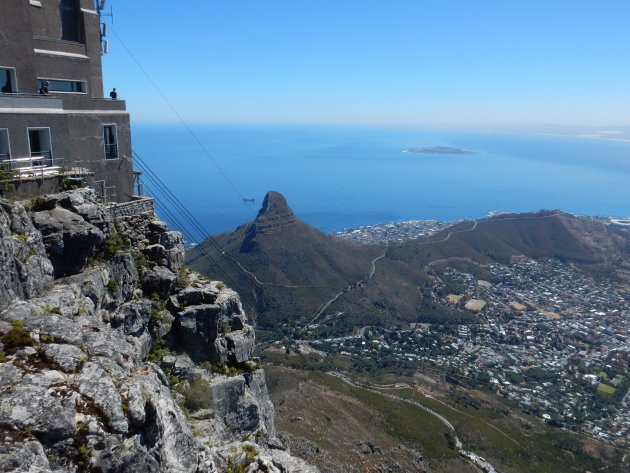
x: 398, y: 62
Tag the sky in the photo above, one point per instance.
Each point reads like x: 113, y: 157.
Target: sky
x: 383, y: 63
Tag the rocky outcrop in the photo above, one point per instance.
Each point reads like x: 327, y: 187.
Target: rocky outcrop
x: 26, y: 270
x: 126, y: 361
x: 274, y: 214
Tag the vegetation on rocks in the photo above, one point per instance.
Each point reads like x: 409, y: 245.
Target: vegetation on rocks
x: 17, y: 337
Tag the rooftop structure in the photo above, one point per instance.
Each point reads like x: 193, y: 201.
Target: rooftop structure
x: 55, y: 123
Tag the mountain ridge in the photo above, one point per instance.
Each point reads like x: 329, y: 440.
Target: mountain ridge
x: 301, y: 268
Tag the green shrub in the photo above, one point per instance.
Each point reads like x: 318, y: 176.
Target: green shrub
x: 220, y: 286
x: 197, y: 395
x: 110, y: 246
x: 7, y: 173
x: 37, y: 203
x: 17, y: 337
x: 47, y: 339
x: 158, y: 350
x: 157, y: 307
x: 183, y: 277
x: 68, y: 185
x: 112, y: 284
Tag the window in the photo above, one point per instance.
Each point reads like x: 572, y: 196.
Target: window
x: 99, y: 187
x: 111, y: 142
x: 7, y: 80
x: 61, y: 85
x: 5, y: 150
x: 69, y: 11
x: 40, y: 145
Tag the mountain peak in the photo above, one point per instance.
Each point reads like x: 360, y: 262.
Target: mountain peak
x: 274, y: 205
x: 275, y: 213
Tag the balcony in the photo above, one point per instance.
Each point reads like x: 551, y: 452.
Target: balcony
x: 35, y: 103
x: 37, y: 166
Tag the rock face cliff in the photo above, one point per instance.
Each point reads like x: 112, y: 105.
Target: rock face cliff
x: 115, y: 358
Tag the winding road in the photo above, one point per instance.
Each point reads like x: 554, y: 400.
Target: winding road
x: 475, y: 459
x: 476, y: 223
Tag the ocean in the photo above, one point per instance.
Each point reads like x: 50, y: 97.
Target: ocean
x: 335, y: 178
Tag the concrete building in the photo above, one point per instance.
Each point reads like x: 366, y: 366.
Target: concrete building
x: 55, y: 123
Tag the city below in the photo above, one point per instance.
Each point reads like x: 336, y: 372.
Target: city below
x: 548, y: 337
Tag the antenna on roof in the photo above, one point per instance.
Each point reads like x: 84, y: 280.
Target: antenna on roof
x: 100, y: 9
x: 100, y: 6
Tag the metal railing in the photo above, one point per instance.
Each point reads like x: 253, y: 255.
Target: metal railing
x: 39, y: 165
x: 111, y: 151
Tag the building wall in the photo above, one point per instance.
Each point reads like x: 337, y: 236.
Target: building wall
x: 60, y: 39
x: 16, y: 43
x: 19, y: 43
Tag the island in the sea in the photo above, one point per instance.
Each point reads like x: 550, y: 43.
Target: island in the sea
x: 437, y: 150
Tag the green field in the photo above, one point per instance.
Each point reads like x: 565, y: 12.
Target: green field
x: 606, y: 389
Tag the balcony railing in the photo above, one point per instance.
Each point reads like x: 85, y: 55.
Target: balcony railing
x: 38, y: 165
x: 111, y: 151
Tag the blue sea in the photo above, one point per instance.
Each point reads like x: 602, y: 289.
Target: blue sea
x: 335, y: 178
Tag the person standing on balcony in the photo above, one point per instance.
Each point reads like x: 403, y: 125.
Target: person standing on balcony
x: 113, y: 94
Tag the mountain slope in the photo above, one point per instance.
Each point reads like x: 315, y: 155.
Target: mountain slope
x: 286, y: 271
x: 294, y: 267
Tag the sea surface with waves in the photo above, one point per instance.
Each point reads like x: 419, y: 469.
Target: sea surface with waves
x: 335, y: 178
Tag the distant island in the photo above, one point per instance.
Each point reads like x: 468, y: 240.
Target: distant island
x: 437, y: 150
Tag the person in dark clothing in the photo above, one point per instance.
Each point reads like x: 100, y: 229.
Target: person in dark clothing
x: 113, y: 94
x: 44, y: 89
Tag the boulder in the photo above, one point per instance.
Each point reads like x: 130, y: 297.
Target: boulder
x: 68, y: 238
x: 26, y: 269
x: 97, y: 385
x: 68, y: 357
x: 159, y: 280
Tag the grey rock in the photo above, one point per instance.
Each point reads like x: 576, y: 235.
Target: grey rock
x: 165, y: 431
x: 63, y: 329
x: 366, y: 447
x: 69, y: 358
x: 124, y: 351
x: 92, y: 284
x: 157, y: 226
x: 159, y: 280
x: 9, y: 374
x: 26, y: 269
x: 240, y: 344
x: 157, y: 254
x: 32, y: 404
x: 272, y: 461
x: 258, y: 388
x: 84, y: 202
x: 197, y: 295
x: 68, y: 238
x: 28, y: 456
x: 96, y: 384
x: 25, y: 352
x: 123, y: 270
x: 202, y: 330
x: 133, y: 317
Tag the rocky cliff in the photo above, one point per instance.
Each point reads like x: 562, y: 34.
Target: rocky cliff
x: 116, y: 358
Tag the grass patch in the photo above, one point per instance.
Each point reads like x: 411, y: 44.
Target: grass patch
x: 606, y: 389
x: 405, y: 420
x: 17, y: 337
